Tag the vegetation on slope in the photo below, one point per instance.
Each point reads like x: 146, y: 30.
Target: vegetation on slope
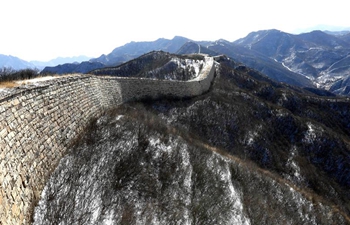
x: 249, y: 151
x: 301, y: 136
x: 8, y: 74
x: 132, y: 167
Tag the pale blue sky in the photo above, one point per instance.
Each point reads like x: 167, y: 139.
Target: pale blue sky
x: 46, y: 29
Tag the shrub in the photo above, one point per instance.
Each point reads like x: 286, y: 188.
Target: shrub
x: 9, y: 74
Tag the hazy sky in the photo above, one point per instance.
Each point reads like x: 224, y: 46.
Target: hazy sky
x: 45, y: 29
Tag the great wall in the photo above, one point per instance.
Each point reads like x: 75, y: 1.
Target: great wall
x: 38, y: 123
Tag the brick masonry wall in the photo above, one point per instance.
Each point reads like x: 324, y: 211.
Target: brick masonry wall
x: 37, y: 124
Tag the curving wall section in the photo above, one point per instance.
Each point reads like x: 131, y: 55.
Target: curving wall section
x: 37, y: 123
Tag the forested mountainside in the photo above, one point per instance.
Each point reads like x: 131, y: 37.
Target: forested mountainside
x: 250, y: 151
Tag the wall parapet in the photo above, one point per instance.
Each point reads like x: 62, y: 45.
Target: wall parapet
x: 37, y: 123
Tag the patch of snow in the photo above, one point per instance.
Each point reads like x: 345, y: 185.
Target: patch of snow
x: 284, y: 65
x: 305, y: 209
x: 249, y: 139
x: 160, y: 146
x: 3, y: 90
x: 35, y: 81
x: 315, y: 48
x: 325, y: 80
x: 237, y: 217
x: 96, y: 206
x: 281, y: 113
x: 187, y: 183
x: 109, y: 219
x: 284, y: 96
x: 293, y: 165
x: 39, y: 79
x: 318, y: 65
x: 119, y: 117
x: 195, y: 64
x: 311, y: 133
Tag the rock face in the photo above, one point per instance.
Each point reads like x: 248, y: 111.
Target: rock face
x: 249, y: 151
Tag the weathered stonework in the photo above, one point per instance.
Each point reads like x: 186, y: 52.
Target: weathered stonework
x: 37, y: 123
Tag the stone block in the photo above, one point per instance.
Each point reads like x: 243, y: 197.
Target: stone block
x: 15, y: 102
x: 3, y: 133
x: 2, y: 109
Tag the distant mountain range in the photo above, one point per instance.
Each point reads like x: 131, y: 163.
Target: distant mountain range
x: 135, y: 49
x: 325, y: 28
x: 315, y: 60
x: 323, y: 58
x: 66, y: 68
x: 18, y: 64
x: 259, y: 62
x: 59, y: 61
x: 120, y: 55
x: 14, y: 62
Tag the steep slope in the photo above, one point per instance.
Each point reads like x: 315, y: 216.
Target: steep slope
x: 250, y: 151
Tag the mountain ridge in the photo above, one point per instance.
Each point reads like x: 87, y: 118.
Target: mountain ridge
x: 134, y: 49
x: 321, y: 57
x: 315, y: 59
x: 14, y: 62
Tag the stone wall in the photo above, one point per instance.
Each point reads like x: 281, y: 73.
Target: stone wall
x: 38, y: 122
